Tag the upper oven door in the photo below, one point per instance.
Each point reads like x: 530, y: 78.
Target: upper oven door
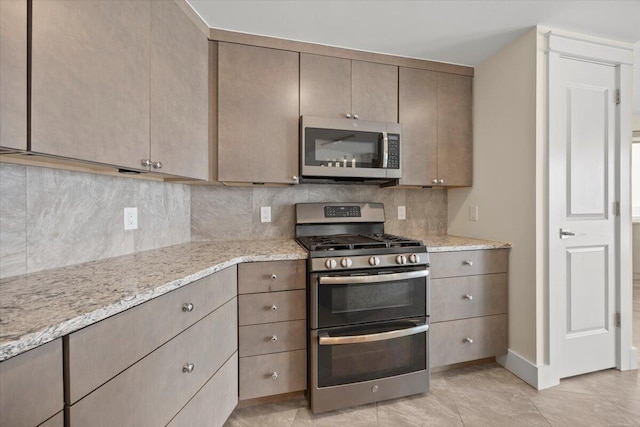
x: 364, y: 296
x: 348, y: 148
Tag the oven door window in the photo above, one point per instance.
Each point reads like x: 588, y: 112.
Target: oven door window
x: 351, y: 363
x: 347, y: 304
x: 324, y: 147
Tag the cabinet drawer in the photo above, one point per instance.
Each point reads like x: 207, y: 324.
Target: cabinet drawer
x: 254, y: 277
x: 467, y: 263
x: 259, y: 339
x: 152, y: 392
x: 448, y: 340
x: 468, y: 296
x: 99, y: 352
x: 271, y: 307
x: 222, y: 390
x: 257, y: 374
x: 31, y: 386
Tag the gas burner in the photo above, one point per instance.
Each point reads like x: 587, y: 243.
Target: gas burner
x: 356, y: 241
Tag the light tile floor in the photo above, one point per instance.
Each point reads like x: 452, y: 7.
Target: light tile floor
x: 486, y: 395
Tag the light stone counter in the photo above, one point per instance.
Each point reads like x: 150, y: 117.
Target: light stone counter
x: 456, y: 243
x: 39, y: 307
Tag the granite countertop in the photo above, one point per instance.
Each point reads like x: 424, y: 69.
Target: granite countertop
x: 39, y: 307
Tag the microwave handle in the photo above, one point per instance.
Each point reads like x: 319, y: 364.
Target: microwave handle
x: 385, y: 150
x: 377, y: 278
x: 325, y: 339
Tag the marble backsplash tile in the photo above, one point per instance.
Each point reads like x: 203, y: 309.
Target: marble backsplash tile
x: 229, y: 213
x: 73, y: 217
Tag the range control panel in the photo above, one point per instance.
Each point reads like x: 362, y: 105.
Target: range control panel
x: 342, y: 212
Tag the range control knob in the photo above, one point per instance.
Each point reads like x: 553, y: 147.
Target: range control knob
x: 401, y: 259
x: 414, y: 258
x: 346, y: 262
x: 374, y: 260
x: 331, y: 264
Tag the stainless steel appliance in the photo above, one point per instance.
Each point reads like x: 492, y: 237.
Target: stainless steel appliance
x: 349, y: 150
x: 368, y: 306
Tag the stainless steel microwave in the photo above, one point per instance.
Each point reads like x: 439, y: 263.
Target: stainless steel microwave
x: 349, y: 150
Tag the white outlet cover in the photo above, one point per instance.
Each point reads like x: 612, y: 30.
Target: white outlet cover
x: 402, y: 212
x: 473, y: 213
x: 130, y: 218
x: 265, y: 213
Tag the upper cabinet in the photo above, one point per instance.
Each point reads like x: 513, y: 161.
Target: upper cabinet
x: 437, y: 142
x: 90, y: 80
x: 258, y: 109
x: 337, y: 87
x: 120, y: 83
x: 13, y: 74
x: 179, y: 93
x: 455, y: 134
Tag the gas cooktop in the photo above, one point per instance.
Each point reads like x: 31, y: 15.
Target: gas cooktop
x: 356, y: 241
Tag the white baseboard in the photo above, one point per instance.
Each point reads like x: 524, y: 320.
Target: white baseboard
x: 538, y: 377
x: 633, y: 358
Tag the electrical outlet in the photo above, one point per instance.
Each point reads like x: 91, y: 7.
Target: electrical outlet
x: 402, y: 212
x: 265, y: 213
x: 473, y: 213
x: 130, y: 218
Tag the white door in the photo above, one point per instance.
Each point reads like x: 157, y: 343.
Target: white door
x: 582, y: 255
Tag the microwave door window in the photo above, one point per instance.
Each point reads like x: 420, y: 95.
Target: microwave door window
x: 326, y: 147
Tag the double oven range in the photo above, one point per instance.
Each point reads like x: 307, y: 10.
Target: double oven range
x: 368, y: 296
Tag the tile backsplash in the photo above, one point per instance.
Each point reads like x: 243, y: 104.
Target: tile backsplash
x: 53, y: 218
x: 226, y: 213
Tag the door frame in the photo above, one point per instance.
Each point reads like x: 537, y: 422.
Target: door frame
x: 620, y: 55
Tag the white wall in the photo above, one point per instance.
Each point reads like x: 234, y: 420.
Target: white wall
x: 505, y: 180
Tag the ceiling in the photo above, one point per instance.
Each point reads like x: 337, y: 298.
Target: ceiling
x: 461, y: 32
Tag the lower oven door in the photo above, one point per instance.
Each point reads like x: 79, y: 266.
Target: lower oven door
x: 355, y: 365
x: 349, y: 298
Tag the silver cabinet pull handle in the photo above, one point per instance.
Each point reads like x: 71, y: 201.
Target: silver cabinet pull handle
x: 295, y: 178
x: 145, y: 162
x: 274, y: 307
x: 565, y: 233
x: 348, y: 116
x: 434, y: 181
x: 187, y: 307
x: 355, y: 116
x: 469, y: 297
x: 441, y: 181
x: 188, y: 368
x: 274, y: 277
x: 274, y: 376
x: 157, y: 165
x: 468, y: 340
x: 274, y: 338
x: 467, y: 262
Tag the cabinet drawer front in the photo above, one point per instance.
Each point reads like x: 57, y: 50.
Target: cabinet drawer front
x: 99, y: 352
x: 271, y: 307
x: 222, y: 390
x: 448, y: 341
x: 468, y: 296
x: 152, y: 392
x: 257, y: 374
x: 467, y: 263
x: 272, y: 338
x: 270, y: 276
x: 31, y: 386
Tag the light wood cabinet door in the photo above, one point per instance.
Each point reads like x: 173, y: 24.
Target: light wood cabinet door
x: 179, y: 93
x: 325, y: 86
x: 468, y: 263
x: 31, y: 386
x: 269, y: 276
x: 374, y: 91
x: 258, y: 107
x: 271, y: 374
x: 90, y: 80
x: 455, y: 139
x: 418, y: 114
x: 272, y: 307
x: 13, y: 74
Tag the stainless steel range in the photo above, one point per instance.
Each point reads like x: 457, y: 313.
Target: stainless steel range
x: 368, y: 306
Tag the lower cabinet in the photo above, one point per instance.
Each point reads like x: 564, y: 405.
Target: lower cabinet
x: 272, y: 328
x: 31, y: 390
x: 468, y: 306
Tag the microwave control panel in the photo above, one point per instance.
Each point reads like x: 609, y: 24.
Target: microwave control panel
x: 394, y: 151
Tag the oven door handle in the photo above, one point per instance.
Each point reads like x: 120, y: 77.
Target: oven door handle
x: 325, y: 339
x: 350, y: 280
